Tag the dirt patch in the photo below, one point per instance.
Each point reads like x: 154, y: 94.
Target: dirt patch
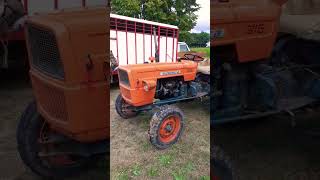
x: 270, y: 148
x: 15, y: 94
x: 133, y: 157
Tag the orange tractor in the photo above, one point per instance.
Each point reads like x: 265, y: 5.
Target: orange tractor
x: 68, y: 123
x: 248, y: 81
x: 258, y: 71
x: 151, y: 86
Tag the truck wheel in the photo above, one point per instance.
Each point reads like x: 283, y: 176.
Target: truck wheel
x: 222, y: 168
x: 31, y: 132
x: 123, y: 108
x: 166, y: 127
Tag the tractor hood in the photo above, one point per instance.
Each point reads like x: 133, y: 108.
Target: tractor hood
x: 248, y: 25
x: 76, y: 19
x: 152, y: 67
x: 244, y: 11
x: 80, y: 33
x: 138, y: 72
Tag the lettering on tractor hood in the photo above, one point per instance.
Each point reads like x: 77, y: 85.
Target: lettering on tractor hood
x: 170, y: 73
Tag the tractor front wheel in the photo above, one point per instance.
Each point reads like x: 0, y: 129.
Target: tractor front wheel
x: 38, y: 153
x: 166, y: 127
x: 124, y: 109
x: 222, y: 167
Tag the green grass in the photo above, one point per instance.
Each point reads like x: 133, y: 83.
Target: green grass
x: 205, y: 178
x: 123, y: 175
x: 165, y: 160
x: 181, y: 161
x: 153, y: 172
x: 205, y: 50
x: 136, y: 170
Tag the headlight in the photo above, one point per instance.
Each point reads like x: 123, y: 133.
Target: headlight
x: 145, y: 87
x: 149, y: 84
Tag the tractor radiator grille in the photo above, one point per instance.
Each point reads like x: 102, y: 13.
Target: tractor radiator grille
x: 44, y: 51
x: 51, y: 99
x: 123, y: 77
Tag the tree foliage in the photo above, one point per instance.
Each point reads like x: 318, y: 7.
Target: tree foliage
x: 180, y: 13
x: 195, y: 39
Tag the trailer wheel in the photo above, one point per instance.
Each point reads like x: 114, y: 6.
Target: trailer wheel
x: 166, y: 127
x: 222, y: 167
x: 30, y: 133
x: 123, y: 109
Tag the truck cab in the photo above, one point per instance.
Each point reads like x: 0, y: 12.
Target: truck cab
x: 183, y: 47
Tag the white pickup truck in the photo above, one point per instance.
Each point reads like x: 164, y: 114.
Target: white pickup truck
x: 183, y: 47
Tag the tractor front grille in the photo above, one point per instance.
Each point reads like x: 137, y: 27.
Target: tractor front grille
x: 123, y: 77
x: 45, y: 54
x: 51, y: 99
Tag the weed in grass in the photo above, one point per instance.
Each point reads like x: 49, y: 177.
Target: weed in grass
x: 181, y: 174
x: 153, y: 172
x: 188, y: 168
x: 145, y: 120
x: 146, y: 146
x: 123, y: 175
x: 205, y: 178
x: 136, y: 170
x: 178, y: 175
x: 165, y: 160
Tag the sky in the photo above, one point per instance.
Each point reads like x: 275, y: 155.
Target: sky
x: 203, y: 22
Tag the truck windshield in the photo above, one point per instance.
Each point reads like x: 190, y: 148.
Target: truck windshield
x: 183, y: 48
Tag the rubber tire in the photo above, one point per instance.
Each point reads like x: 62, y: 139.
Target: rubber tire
x: 28, y: 131
x: 118, y: 104
x: 157, y: 119
x: 222, y: 166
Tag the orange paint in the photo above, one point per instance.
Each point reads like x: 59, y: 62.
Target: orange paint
x: 250, y: 25
x: 136, y: 95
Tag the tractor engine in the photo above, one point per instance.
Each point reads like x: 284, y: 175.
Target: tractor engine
x: 169, y: 88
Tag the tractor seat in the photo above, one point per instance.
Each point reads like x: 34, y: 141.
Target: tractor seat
x: 204, y: 67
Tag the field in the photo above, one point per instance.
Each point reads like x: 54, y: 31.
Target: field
x: 133, y: 157
x: 205, y: 50
x: 15, y: 94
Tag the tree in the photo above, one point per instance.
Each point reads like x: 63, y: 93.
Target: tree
x: 195, y: 39
x: 180, y: 13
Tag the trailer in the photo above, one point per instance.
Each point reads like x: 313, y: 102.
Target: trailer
x: 138, y: 41
x: 134, y: 41
x: 13, y: 15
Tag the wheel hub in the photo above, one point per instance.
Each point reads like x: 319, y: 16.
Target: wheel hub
x: 169, y: 129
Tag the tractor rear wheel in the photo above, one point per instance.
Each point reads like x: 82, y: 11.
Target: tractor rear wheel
x: 32, y: 132
x: 123, y: 108
x: 222, y: 168
x: 166, y: 127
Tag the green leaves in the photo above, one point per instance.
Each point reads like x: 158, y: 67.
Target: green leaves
x: 129, y: 8
x: 194, y: 39
x: 175, y: 12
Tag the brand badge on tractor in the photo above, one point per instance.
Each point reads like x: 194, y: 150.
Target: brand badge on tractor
x: 170, y: 73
